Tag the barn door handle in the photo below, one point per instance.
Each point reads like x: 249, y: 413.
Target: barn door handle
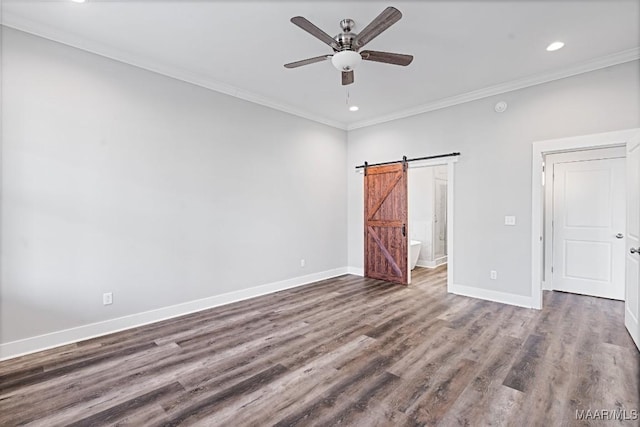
x: 404, y: 230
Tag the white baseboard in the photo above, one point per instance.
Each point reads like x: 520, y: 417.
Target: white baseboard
x: 432, y: 264
x: 67, y: 336
x: 487, y: 294
x: 441, y: 260
x: 632, y: 326
x: 357, y: 271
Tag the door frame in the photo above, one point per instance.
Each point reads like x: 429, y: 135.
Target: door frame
x: 539, y: 150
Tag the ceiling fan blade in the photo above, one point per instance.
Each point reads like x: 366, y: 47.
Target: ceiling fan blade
x: 347, y: 77
x: 306, y: 25
x: 387, y: 18
x: 386, y: 57
x: 307, y: 61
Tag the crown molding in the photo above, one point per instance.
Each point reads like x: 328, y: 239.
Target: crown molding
x: 580, y: 68
x: 47, y: 32
x: 99, y: 49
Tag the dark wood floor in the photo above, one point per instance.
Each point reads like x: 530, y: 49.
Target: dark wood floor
x: 346, y: 351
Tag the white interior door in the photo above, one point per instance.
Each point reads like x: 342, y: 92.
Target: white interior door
x: 589, y: 227
x: 632, y: 257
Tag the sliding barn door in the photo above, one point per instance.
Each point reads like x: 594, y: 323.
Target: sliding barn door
x: 385, y: 223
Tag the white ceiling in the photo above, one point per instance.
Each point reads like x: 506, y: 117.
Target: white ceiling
x: 463, y: 49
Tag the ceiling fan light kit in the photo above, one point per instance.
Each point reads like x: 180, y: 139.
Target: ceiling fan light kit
x: 346, y: 45
x: 346, y: 60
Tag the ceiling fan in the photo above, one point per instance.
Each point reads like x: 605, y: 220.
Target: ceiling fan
x: 346, y: 45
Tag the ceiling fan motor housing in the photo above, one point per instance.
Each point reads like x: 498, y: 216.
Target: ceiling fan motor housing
x: 346, y: 41
x: 347, y: 58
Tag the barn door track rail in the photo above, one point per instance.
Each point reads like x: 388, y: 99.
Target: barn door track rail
x: 405, y: 160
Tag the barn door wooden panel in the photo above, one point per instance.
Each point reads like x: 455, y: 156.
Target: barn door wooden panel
x: 385, y: 223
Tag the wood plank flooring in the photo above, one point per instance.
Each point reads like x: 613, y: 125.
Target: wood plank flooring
x: 345, y: 351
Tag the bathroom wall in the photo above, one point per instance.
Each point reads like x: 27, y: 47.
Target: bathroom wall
x: 440, y: 183
x: 422, y: 211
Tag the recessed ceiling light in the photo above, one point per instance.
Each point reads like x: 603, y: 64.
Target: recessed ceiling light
x: 354, y: 108
x: 555, y: 46
x: 78, y: 1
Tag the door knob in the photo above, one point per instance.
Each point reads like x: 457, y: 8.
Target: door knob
x: 635, y: 251
x: 619, y: 236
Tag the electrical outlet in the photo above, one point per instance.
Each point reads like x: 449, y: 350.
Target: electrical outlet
x: 302, y: 263
x: 107, y: 298
x: 493, y: 274
x: 509, y: 220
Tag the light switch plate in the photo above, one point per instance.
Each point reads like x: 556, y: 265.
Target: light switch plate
x: 509, y: 220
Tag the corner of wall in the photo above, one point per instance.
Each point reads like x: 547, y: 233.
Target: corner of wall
x: 356, y: 271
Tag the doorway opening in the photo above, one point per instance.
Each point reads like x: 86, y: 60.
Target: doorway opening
x: 584, y: 222
x: 428, y: 194
x: 381, y: 248
x: 443, y: 196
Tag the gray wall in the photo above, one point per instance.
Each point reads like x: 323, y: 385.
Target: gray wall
x: 118, y: 179
x: 493, y: 175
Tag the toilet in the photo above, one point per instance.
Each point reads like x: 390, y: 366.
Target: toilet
x: 414, y: 252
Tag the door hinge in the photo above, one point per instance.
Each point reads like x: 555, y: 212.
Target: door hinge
x: 404, y: 230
